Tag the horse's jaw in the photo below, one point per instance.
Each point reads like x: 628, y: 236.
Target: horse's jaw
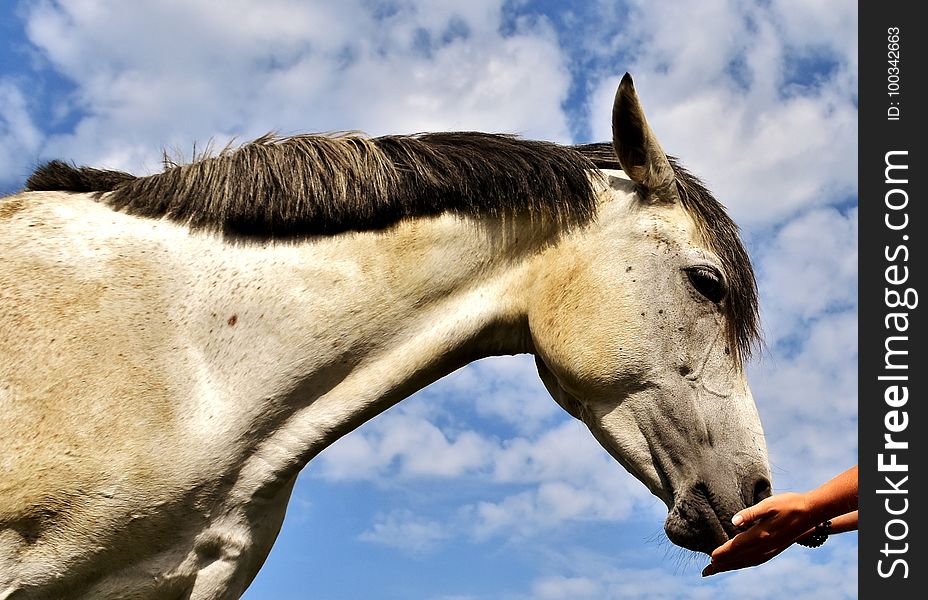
x: 702, y: 493
x: 727, y: 473
x: 622, y: 438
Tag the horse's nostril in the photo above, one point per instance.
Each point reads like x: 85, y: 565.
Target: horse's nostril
x: 762, y: 490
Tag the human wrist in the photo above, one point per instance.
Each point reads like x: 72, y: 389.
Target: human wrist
x: 811, y: 508
x: 835, y: 497
x: 823, y: 503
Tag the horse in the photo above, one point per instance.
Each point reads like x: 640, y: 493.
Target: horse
x: 175, y: 347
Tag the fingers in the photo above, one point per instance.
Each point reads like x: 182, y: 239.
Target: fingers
x: 720, y: 567
x: 723, y: 549
x: 769, y: 527
x: 751, y: 514
x: 742, y: 542
x: 739, y: 562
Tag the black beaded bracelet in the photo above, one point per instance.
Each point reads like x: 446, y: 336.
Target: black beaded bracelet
x: 817, y: 537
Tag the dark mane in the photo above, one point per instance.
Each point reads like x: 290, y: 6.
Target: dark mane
x: 321, y: 185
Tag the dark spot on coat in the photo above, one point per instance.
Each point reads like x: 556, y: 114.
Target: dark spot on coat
x: 232, y: 320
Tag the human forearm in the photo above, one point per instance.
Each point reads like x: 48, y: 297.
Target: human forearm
x: 845, y: 522
x: 834, y: 498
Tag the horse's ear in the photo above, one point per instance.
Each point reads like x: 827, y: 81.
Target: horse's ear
x: 637, y: 148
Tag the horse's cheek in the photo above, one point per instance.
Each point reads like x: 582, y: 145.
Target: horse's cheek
x: 591, y: 346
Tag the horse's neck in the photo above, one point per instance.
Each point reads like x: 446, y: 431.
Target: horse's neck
x: 320, y: 336
x: 205, y: 373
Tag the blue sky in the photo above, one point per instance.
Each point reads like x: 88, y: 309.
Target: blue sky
x: 479, y: 487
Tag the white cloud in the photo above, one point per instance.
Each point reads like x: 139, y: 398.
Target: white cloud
x: 547, y: 506
x: 405, y: 531
x: 167, y: 74
x: 828, y: 27
x: 767, y: 149
x: 569, y: 588
x: 807, y: 268
x: 799, y: 573
x: 19, y: 136
x: 564, y: 453
x: 560, y: 475
x: 504, y: 389
x: 404, y: 445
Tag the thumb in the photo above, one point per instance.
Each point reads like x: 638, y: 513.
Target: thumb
x: 746, y: 516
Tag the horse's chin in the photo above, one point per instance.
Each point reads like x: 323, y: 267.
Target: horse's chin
x: 694, y: 523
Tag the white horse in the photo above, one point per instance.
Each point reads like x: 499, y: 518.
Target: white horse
x: 175, y: 348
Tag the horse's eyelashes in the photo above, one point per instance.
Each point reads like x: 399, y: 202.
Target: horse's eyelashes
x: 708, y: 282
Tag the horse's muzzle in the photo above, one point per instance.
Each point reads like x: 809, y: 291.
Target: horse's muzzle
x: 700, y: 518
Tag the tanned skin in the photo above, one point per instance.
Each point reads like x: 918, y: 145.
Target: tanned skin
x: 775, y: 523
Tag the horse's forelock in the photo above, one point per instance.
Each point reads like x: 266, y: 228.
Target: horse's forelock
x: 741, y: 305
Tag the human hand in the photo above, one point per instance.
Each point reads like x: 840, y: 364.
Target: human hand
x: 773, y: 525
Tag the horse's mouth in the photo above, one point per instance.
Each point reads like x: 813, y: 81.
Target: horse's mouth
x: 696, y: 521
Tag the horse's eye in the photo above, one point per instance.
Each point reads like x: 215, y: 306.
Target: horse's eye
x: 707, y: 282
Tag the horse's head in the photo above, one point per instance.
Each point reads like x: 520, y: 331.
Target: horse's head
x: 640, y: 322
